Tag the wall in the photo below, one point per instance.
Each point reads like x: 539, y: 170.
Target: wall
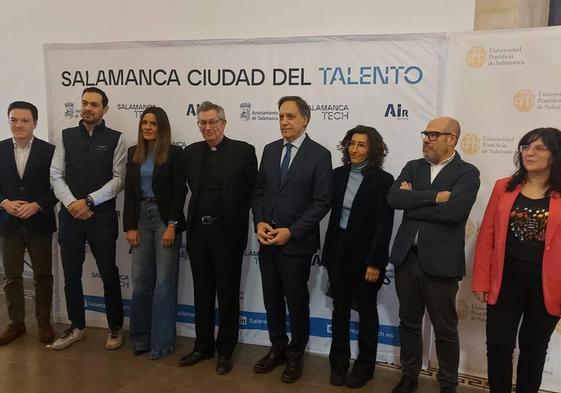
x: 27, y: 24
x: 510, y: 14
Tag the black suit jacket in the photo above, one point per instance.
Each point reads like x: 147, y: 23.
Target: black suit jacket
x: 34, y: 187
x: 370, y: 223
x: 238, y: 178
x: 303, y: 198
x: 168, y: 184
x: 441, y: 227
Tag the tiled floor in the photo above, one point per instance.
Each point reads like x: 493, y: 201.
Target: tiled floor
x: 27, y: 367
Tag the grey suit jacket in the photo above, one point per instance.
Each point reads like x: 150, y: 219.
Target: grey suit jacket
x: 441, y: 227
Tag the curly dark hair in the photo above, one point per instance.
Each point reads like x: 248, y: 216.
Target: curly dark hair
x: 377, y: 149
x: 551, y: 138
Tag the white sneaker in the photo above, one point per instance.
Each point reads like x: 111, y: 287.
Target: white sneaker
x: 115, y: 340
x: 69, y: 337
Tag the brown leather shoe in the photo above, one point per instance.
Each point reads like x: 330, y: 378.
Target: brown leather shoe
x: 293, y: 370
x: 274, y: 358
x: 12, y: 331
x: 46, y: 332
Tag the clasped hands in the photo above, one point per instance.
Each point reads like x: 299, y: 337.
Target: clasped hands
x: 80, y: 210
x: 21, y: 209
x: 269, y: 236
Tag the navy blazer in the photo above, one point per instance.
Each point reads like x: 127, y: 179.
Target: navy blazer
x: 441, y: 226
x: 34, y: 187
x: 238, y: 178
x: 370, y: 224
x: 168, y: 184
x: 303, y: 198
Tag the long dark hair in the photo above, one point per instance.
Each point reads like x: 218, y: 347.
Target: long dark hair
x: 377, y: 149
x: 163, y: 142
x: 551, y: 138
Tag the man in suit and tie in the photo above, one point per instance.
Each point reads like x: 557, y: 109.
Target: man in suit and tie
x: 291, y: 196
x: 27, y: 220
x: 221, y: 174
x: 436, y: 194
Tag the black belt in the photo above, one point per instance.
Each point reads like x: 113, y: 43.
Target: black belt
x: 209, y: 220
x: 148, y: 199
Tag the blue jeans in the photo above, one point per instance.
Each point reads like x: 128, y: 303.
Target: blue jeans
x: 154, y: 277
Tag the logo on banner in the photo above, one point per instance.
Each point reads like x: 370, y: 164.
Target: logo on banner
x: 396, y: 112
x: 69, y: 110
x: 137, y: 109
x: 548, y: 100
x: 462, y: 309
x: 470, y: 229
x: 470, y: 144
x: 332, y: 111
x: 524, y: 100
x: 245, y: 111
x: 476, y: 57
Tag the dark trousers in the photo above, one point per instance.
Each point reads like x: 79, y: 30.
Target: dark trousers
x: 521, y: 297
x: 417, y: 291
x: 216, y: 266
x: 285, y: 283
x: 101, y: 233
x: 344, y: 289
x: 40, y: 253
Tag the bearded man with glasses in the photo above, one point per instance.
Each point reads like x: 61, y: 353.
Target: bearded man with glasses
x: 436, y: 193
x: 220, y: 173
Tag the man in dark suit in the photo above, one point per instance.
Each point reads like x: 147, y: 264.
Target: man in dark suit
x: 436, y: 193
x: 27, y: 220
x: 221, y: 174
x: 292, y: 194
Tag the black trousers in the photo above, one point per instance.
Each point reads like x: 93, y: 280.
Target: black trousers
x: 344, y: 289
x: 521, y: 298
x: 216, y: 265
x: 417, y: 291
x: 285, y: 283
x: 40, y: 253
x: 100, y: 231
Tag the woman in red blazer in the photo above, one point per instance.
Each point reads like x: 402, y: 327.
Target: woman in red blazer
x: 517, y: 269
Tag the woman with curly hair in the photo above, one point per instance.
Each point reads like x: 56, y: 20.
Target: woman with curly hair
x: 356, y: 250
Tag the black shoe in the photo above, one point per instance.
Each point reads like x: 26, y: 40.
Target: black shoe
x: 447, y: 389
x: 224, y: 365
x: 358, y: 378
x: 337, y: 378
x: 193, y: 358
x: 139, y: 352
x: 406, y: 385
x: 274, y: 358
x: 293, y: 370
x: 12, y: 331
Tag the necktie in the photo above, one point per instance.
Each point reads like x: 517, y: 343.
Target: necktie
x: 285, y: 161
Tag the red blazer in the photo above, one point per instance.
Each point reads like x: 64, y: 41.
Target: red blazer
x: 491, y: 242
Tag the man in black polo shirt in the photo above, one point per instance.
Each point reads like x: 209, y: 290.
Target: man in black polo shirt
x: 220, y: 172
x: 87, y: 173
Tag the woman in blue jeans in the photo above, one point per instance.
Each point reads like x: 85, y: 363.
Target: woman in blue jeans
x: 153, y: 219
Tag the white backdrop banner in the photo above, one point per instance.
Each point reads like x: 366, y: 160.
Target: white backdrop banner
x: 500, y: 85
x: 391, y: 82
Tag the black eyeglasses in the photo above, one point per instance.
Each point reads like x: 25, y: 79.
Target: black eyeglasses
x: 433, y: 135
x: 203, y: 123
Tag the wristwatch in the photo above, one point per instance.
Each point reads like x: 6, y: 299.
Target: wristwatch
x: 174, y: 223
x: 89, y: 202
